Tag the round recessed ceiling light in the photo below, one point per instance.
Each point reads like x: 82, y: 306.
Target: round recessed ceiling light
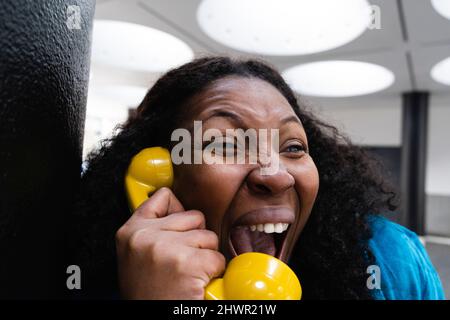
x: 338, y: 78
x: 441, y: 72
x: 137, y: 47
x: 442, y: 6
x: 284, y: 27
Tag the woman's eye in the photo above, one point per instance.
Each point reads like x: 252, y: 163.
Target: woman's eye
x: 226, y: 148
x: 228, y: 145
x: 295, y: 148
x: 223, y: 147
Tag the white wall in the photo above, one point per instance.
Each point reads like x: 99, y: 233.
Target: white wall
x: 438, y: 165
x: 102, y: 116
x: 377, y: 122
x: 367, y: 121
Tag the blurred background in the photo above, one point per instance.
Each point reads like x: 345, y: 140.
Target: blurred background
x: 379, y: 70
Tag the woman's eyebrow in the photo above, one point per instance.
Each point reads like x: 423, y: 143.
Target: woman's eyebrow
x: 236, y: 119
x: 239, y: 122
x: 291, y: 119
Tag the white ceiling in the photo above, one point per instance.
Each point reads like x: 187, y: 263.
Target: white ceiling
x: 413, y: 37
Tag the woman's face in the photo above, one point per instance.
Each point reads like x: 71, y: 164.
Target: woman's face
x: 236, y: 198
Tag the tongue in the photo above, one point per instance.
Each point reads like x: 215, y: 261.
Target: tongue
x: 245, y: 240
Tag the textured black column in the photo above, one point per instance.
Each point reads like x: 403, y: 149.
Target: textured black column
x: 44, y: 72
x: 414, y: 153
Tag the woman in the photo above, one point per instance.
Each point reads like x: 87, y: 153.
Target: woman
x: 326, y: 191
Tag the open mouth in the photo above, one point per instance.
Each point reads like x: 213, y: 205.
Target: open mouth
x: 265, y: 238
x: 262, y: 231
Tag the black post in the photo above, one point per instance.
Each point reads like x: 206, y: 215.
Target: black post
x: 414, y: 152
x: 44, y: 72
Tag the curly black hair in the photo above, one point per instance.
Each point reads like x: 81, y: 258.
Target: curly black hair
x: 332, y: 253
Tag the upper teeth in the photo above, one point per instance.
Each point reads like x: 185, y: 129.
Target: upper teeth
x: 270, y: 227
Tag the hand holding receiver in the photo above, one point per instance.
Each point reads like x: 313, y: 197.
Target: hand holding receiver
x: 165, y: 252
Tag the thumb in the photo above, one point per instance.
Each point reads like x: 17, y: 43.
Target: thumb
x: 162, y: 203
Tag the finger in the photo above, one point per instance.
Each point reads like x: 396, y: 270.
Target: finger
x: 183, y: 221
x: 212, y: 262
x: 162, y: 203
x: 202, y: 239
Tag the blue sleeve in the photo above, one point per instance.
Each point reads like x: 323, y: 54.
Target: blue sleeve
x: 406, y: 272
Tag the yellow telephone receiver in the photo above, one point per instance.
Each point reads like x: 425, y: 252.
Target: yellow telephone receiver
x: 249, y: 276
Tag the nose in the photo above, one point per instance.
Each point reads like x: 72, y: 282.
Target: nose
x: 270, y: 184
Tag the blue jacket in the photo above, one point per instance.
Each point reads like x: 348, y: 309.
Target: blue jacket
x: 406, y: 272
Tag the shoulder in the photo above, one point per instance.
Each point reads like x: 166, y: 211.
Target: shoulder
x: 391, y: 234
x: 406, y: 270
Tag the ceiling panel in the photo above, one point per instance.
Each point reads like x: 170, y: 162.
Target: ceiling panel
x: 413, y: 37
x: 425, y: 25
